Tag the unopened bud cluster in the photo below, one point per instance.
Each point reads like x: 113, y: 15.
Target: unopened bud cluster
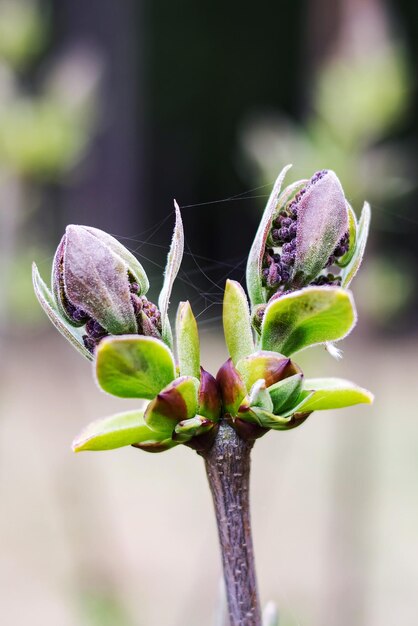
x: 98, y: 284
x: 282, y: 242
x: 148, y: 317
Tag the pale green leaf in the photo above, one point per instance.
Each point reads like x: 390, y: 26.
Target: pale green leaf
x: 307, y: 317
x: 175, y: 403
x: 332, y: 393
x: 255, y: 257
x: 285, y: 393
x: 352, y: 231
x: 236, y: 322
x: 260, y: 397
x: 193, y: 427
x: 270, y: 366
x: 132, y: 366
x: 47, y: 302
x: 351, y: 269
x: 174, y: 258
x: 116, y: 431
x: 187, y: 338
x: 266, y: 419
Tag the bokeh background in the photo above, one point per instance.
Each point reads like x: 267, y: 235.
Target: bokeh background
x: 110, y: 109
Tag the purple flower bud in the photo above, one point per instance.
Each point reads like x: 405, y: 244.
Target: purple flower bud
x: 322, y: 220
x: 97, y: 282
x: 285, y: 274
x: 311, y: 228
x: 273, y: 278
x: 288, y: 258
x: 284, y: 233
x: 287, y: 221
x: 293, y: 229
x: 94, y: 330
x: 287, y: 248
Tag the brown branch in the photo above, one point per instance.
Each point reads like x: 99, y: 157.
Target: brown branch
x: 228, y: 471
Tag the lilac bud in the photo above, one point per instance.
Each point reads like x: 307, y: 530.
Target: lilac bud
x: 322, y: 221
x: 97, y: 282
x: 307, y: 227
x: 308, y: 233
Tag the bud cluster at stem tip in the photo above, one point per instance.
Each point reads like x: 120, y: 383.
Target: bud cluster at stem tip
x: 308, y: 235
x: 99, y: 284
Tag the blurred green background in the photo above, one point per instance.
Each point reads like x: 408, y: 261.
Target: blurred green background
x: 110, y: 109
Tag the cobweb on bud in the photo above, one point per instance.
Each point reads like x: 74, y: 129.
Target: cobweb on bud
x: 206, y: 302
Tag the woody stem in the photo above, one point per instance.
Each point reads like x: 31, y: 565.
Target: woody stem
x: 228, y: 471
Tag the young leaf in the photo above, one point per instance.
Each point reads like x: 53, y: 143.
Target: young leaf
x: 187, y: 336
x: 122, y: 429
x: 236, y: 322
x: 259, y: 396
x: 175, y: 403
x: 285, y: 393
x: 231, y: 386
x: 332, y: 393
x: 351, y: 269
x: 352, y: 232
x: 209, y: 397
x: 266, y: 419
x: 307, y: 317
x: 193, y: 427
x: 155, y: 445
x: 131, y: 366
x: 255, y: 258
x: 270, y: 366
x: 174, y: 258
x: 47, y: 302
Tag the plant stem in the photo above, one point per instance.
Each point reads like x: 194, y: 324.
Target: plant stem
x: 228, y: 470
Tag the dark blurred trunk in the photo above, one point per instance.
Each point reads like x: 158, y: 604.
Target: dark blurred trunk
x: 108, y: 191
x: 212, y: 65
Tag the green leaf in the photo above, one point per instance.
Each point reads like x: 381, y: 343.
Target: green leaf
x: 175, y: 403
x: 351, y: 270
x: 232, y: 387
x: 236, y: 322
x: 193, y: 427
x: 156, y: 445
x: 259, y: 396
x: 332, y: 393
x: 255, y: 258
x: 47, y: 302
x: 352, y: 231
x: 285, y: 393
x: 307, y: 317
x: 209, y: 398
x: 174, y: 258
x: 188, y: 349
x: 131, y: 366
x: 116, y: 431
x: 270, y: 366
x: 265, y: 419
